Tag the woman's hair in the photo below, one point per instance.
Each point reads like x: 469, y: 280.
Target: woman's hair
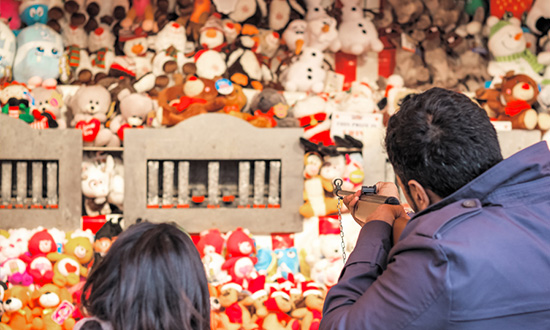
x: 152, y: 278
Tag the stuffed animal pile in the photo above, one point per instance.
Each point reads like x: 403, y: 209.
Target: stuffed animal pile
x: 249, y: 288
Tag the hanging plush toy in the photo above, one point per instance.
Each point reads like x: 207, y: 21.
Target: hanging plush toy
x: 75, y: 40
x: 90, y: 105
x: 47, y: 108
x: 101, y: 46
x: 357, y: 33
x: 210, y: 58
x: 7, y: 51
x: 38, y: 57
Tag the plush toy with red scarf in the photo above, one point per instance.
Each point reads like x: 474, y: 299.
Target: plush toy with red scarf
x: 235, y: 314
x: 310, y: 307
x: 240, y: 262
x: 279, y: 306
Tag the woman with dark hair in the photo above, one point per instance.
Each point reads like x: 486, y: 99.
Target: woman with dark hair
x: 152, y: 278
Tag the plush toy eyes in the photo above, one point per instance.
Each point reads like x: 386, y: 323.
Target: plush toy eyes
x: 364, y: 31
x: 291, y: 254
x: 40, y: 49
x: 32, y: 12
x: 316, y: 9
x: 360, y: 24
x: 54, y: 51
x: 39, y: 12
x: 353, y: 8
x: 97, y: 102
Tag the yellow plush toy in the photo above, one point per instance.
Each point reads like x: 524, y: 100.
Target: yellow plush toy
x: 81, y: 248
x: 67, y: 269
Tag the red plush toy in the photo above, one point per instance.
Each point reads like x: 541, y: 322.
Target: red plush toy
x: 239, y: 265
x: 211, y: 241
x: 38, y: 266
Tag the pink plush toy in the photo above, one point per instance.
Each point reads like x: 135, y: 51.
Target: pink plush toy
x: 9, y: 13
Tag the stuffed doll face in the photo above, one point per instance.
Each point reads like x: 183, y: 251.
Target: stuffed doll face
x: 322, y: 29
x: 287, y: 260
x: 520, y: 87
x: 136, y: 47
x: 283, y: 303
x: 330, y: 245
x: 47, y: 100
x: 135, y: 108
x: 102, y: 37
x: 313, y: 165
x: 37, y: 13
x: 228, y: 297
x: 102, y: 245
x: 18, y: 92
x: 94, y: 101
x: 211, y: 38
x: 95, y: 181
x: 18, y: 297
x: 507, y: 40
x: 315, y: 301
x: 333, y: 167
x: 294, y: 35
x: 81, y: 248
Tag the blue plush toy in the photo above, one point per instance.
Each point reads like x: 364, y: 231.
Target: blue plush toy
x: 7, y: 50
x: 34, y: 11
x: 287, y: 261
x: 39, y: 55
x: 264, y: 261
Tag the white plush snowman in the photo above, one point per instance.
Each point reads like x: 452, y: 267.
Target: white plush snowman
x: 294, y: 35
x: 508, y: 47
x: 7, y: 50
x: 357, y: 33
x: 322, y: 34
x: 307, y: 73
x: 315, y: 10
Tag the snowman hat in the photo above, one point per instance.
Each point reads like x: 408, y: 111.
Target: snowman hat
x: 498, y: 26
x: 26, y: 4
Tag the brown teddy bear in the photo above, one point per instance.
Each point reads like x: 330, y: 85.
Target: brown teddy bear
x: 195, y: 96
x: 17, y: 313
x: 512, y: 100
x: 53, y: 308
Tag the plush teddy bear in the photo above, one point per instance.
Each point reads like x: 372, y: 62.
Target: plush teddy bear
x: 47, y: 108
x: 278, y: 306
x: 257, y: 299
x: 513, y: 100
x: 240, y: 263
x: 327, y: 270
x: 310, y: 308
x: 89, y: 106
x: 17, y: 313
x: 134, y: 109
x: 196, y: 96
x: 508, y: 47
x: 306, y: 74
x: 234, y: 314
x: 81, y: 248
x: 39, y: 53
x: 7, y: 51
x: 67, y: 269
x: 53, y: 308
x: 357, y: 33
x: 38, y: 266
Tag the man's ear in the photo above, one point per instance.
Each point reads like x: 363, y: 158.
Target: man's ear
x: 419, y: 195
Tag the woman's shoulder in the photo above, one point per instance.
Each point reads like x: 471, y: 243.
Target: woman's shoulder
x: 92, y: 323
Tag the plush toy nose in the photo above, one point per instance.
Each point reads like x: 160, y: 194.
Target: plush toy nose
x: 518, y: 36
x: 325, y: 28
x: 525, y: 86
x: 175, y: 25
x: 211, y: 33
x: 137, y: 49
x: 276, y: 35
x: 193, y: 78
x: 230, y: 25
x: 98, y: 31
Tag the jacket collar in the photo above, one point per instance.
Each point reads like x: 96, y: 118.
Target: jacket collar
x: 526, y: 165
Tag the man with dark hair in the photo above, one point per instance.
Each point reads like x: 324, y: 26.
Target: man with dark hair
x: 476, y: 255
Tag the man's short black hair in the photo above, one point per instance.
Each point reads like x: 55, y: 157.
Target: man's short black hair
x: 441, y: 139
